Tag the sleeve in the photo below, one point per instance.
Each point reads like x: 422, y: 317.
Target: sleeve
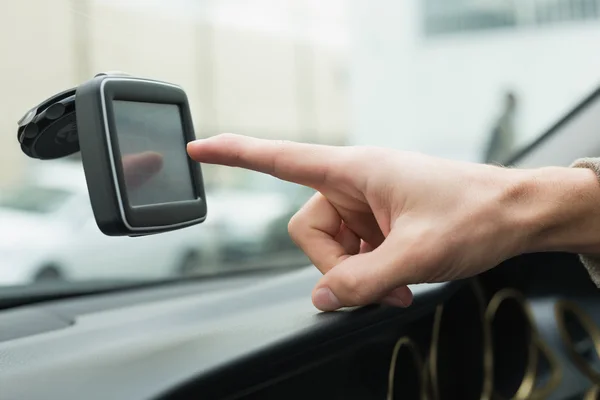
x: 592, y: 264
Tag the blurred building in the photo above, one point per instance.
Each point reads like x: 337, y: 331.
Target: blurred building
x: 430, y: 75
x: 280, y: 73
x: 37, y: 60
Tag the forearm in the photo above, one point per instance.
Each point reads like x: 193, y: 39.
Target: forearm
x: 558, y: 208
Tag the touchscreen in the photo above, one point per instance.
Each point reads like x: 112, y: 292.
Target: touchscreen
x: 153, y: 152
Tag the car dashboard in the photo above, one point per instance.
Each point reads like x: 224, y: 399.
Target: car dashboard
x: 262, y: 338
x: 527, y: 329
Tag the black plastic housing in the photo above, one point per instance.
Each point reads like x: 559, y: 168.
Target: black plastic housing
x: 49, y: 131
x: 102, y: 164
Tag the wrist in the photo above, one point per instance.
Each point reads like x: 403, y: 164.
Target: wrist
x: 557, y: 209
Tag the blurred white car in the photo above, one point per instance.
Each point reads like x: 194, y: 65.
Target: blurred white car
x: 48, y: 231
x: 244, y: 218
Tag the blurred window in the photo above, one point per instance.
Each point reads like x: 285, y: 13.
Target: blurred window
x: 451, y: 16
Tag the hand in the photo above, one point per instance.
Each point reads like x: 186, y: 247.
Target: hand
x: 139, y: 168
x: 383, y: 219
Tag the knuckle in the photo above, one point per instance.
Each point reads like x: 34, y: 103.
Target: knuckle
x: 352, y: 165
x: 295, y: 227
x: 299, y: 223
x: 352, y: 289
x: 279, y: 156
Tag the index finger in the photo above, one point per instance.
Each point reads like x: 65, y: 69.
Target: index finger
x: 302, y: 163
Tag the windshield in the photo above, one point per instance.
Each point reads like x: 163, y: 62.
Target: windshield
x: 464, y: 79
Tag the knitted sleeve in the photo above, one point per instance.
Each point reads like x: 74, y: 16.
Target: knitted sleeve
x: 592, y: 264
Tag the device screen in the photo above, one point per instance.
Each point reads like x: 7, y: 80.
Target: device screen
x: 153, y: 153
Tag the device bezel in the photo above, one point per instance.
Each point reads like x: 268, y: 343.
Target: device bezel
x: 98, y: 134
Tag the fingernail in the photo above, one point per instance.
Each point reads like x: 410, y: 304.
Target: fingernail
x: 325, y: 300
x: 193, y: 144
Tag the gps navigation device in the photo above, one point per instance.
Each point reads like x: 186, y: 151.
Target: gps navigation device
x: 132, y: 133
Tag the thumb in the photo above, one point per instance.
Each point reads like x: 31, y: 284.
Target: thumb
x: 377, y: 276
